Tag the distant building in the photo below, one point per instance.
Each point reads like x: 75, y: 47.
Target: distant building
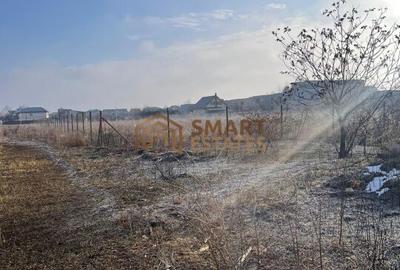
x: 10, y: 118
x: 53, y: 115
x: 174, y: 109
x: 115, y: 114
x: 69, y: 113
x: 64, y: 112
x: 313, y: 92
x: 94, y: 113
x: 265, y: 103
x: 30, y: 114
x: 134, y: 113
x: 147, y: 111
x: 185, y: 108
x: 210, y: 104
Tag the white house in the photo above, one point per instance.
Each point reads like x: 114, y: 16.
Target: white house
x: 32, y: 114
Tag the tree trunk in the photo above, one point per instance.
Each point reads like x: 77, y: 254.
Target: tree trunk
x: 342, y: 149
x: 365, y: 144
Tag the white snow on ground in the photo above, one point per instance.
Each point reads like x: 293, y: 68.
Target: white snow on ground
x: 374, y: 169
x: 393, y: 173
x: 377, y: 183
x: 382, y: 191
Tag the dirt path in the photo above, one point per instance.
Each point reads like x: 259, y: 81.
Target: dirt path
x: 48, y: 222
x: 84, y: 209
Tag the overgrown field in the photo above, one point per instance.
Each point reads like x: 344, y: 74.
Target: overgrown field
x: 67, y: 203
x: 83, y: 207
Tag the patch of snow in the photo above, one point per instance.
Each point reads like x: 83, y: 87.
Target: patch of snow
x: 366, y: 174
x: 374, y: 169
x: 376, y: 184
x: 382, y: 191
x: 393, y: 173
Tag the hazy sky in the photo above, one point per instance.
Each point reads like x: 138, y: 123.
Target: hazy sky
x: 118, y: 53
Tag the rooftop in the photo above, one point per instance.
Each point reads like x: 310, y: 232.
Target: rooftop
x: 204, y: 101
x: 32, y: 110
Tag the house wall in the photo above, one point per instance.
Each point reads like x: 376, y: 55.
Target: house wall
x: 115, y: 114
x: 33, y: 116
x: 212, y: 108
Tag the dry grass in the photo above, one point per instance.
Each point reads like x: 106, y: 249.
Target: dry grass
x: 292, y: 223
x: 55, y: 136
x: 61, y: 136
x: 297, y: 224
x: 283, y: 210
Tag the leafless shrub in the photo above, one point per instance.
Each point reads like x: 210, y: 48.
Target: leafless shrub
x: 358, y: 47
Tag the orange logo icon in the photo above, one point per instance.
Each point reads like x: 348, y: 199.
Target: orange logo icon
x: 157, y: 132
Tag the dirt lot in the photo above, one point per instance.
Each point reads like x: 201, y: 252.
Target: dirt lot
x: 88, y: 208
x: 49, y: 222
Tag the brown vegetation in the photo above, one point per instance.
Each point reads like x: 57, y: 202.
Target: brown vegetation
x: 220, y: 212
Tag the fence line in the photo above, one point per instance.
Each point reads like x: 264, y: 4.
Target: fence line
x: 69, y: 123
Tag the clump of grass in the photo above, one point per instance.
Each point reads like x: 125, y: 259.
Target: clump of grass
x: 56, y: 136
x: 72, y: 141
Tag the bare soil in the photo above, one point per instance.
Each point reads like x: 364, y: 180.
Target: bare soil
x: 49, y: 222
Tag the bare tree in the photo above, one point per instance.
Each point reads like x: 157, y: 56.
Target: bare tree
x: 343, y: 65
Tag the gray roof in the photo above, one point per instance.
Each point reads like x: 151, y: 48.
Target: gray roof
x: 32, y: 110
x: 115, y: 110
x: 204, y: 101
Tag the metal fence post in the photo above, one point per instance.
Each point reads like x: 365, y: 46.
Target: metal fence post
x: 281, y: 119
x: 64, y: 123
x: 83, y: 122
x: 100, y: 135
x: 67, y: 122
x: 77, y: 122
x: 169, y: 133
x: 91, y: 129
x: 227, y: 120
x: 72, y: 123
